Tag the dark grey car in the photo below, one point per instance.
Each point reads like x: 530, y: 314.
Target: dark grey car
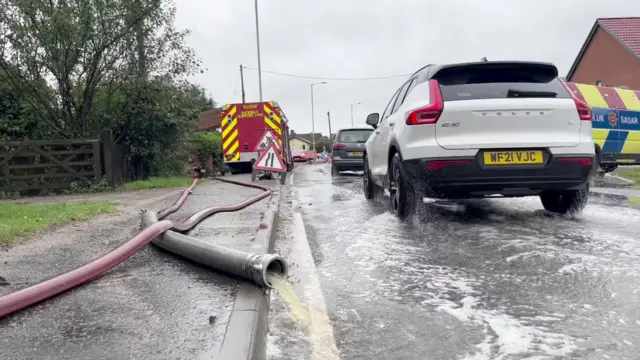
x: 348, y: 149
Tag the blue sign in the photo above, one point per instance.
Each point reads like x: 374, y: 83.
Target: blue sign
x: 615, y: 119
x: 605, y: 118
x: 628, y: 120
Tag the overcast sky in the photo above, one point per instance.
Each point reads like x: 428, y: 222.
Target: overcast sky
x: 373, y: 38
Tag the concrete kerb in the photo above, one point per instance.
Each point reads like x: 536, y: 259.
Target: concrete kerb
x: 246, y: 334
x: 608, y: 196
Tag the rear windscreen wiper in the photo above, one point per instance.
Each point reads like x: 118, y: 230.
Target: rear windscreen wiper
x: 530, y: 94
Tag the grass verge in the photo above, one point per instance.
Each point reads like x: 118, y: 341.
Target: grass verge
x: 17, y: 220
x: 158, y: 182
x: 634, y: 201
x: 631, y: 173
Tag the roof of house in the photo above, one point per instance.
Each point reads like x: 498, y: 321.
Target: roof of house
x: 625, y: 30
x: 303, y: 137
x: 209, y: 119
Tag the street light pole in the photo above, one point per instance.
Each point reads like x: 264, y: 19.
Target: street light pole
x: 313, y: 123
x: 258, y: 46
x: 352, y: 112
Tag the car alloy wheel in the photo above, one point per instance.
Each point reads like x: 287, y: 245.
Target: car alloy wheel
x: 397, y: 190
x: 368, y: 185
x: 402, y: 199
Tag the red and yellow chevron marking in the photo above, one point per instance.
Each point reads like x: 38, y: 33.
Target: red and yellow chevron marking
x: 607, y: 97
x: 273, y: 122
x: 230, y: 141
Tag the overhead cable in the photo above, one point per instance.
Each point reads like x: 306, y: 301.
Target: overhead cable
x: 328, y: 78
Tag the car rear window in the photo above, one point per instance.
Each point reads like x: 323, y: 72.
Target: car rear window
x: 500, y: 81
x: 354, y: 136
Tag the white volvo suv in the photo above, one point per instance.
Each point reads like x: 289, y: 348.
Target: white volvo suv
x: 482, y: 129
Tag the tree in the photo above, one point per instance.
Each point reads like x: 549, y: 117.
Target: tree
x: 16, y: 120
x: 81, y: 66
x: 323, y: 144
x: 85, y: 47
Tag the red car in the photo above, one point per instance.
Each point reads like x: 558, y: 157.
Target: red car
x: 299, y: 157
x: 305, y: 156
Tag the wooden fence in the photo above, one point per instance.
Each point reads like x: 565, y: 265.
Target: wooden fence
x: 57, y: 164
x: 49, y: 164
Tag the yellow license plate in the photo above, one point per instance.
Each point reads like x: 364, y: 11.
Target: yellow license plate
x: 356, y: 154
x: 513, y: 157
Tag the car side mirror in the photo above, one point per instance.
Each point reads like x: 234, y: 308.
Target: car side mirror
x: 372, y: 120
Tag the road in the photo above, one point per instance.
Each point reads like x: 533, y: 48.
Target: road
x: 153, y: 306
x: 484, y: 279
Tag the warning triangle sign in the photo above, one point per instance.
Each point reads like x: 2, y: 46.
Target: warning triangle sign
x: 267, y: 138
x: 270, y: 160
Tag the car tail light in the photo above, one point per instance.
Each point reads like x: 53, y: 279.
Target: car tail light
x: 584, y: 161
x: 339, y: 146
x: 435, y: 165
x: 430, y: 113
x: 584, y: 111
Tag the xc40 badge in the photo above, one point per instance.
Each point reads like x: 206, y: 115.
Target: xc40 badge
x: 455, y: 124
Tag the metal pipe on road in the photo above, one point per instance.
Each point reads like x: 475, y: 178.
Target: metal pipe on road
x: 248, y: 266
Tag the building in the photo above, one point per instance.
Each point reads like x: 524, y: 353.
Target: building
x: 610, y: 56
x: 210, y: 120
x: 300, y: 143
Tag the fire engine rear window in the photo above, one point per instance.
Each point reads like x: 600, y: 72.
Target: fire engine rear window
x: 354, y: 136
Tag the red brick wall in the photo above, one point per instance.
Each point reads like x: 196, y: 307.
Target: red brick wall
x: 606, y: 60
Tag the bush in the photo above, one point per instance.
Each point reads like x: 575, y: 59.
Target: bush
x: 205, y: 144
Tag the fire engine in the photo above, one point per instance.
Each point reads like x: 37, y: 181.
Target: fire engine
x: 244, y: 128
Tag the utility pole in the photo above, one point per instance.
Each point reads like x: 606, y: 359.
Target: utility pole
x: 242, y: 84
x: 329, y: 120
x: 258, y: 46
x: 313, y: 122
x: 352, y: 112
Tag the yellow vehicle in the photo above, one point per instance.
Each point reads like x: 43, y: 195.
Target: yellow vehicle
x: 616, y: 123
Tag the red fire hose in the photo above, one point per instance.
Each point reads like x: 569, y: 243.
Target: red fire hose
x: 23, y: 298
x: 173, y: 208
x: 31, y: 295
x: 194, y: 219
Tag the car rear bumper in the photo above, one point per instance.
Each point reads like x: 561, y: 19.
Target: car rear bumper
x: 469, y: 177
x: 349, y: 164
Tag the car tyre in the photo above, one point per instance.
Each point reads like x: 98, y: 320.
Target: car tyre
x: 565, y: 201
x: 371, y: 190
x: 334, y: 171
x: 401, y: 190
x: 607, y: 168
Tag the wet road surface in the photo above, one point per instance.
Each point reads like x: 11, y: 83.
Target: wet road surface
x: 154, y: 306
x: 483, y: 279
